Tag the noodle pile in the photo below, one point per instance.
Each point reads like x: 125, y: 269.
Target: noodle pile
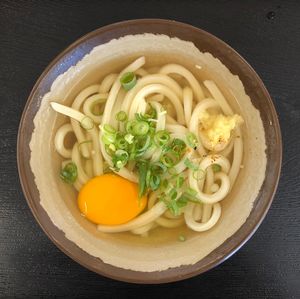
x: 171, y: 88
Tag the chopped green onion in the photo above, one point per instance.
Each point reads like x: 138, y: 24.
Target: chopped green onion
x: 191, y: 195
x: 142, y: 145
x: 112, y: 147
x: 158, y: 168
x: 121, y: 143
x: 140, y: 128
x: 109, y: 129
x: 172, y: 171
x: 189, y: 164
x: 129, y: 138
x: 121, y: 116
x: 178, y: 146
x: 128, y: 80
x: 120, y: 158
x: 191, y: 140
x: 181, y: 238
x: 182, y: 201
x: 199, y: 174
x: 173, y: 194
x: 179, y: 181
x: 173, y: 207
x: 87, y: 123
x: 167, y: 161
x: 161, y: 138
x: 165, y: 183
x: 216, y: 167
x: 108, y: 138
x: 142, y: 170
x: 69, y: 173
x: 154, y: 182
x: 129, y: 126
x: 151, y: 112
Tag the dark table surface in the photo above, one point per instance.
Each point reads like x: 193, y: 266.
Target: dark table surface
x: 266, y: 33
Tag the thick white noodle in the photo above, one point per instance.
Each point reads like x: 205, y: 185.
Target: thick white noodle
x: 96, y: 152
x: 79, y: 132
x: 187, y: 104
x: 88, y: 167
x: 200, y: 227
x: 236, y: 160
x: 228, y: 149
x: 161, y: 116
x: 169, y: 223
x: 144, y: 230
x: 82, y: 176
x: 225, y: 182
x: 147, y: 80
x: 194, y: 123
x: 117, y: 107
x: 176, y: 129
x: 143, y: 219
x: 60, y: 138
x: 207, y: 208
x: 158, y: 88
x: 182, y: 71
x: 89, y: 104
x: 107, y: 83
x: 77, y: 185
x: 218, y: 96
x: 141, y: 72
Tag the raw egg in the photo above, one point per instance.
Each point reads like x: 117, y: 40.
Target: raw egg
x: 110, y: 200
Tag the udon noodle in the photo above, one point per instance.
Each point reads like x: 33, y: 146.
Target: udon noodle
x: 179, y: 100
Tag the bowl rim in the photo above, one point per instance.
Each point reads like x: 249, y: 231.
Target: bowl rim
x: 120, y: 273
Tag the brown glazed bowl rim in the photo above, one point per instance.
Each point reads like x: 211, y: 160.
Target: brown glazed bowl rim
x: 224, y: 251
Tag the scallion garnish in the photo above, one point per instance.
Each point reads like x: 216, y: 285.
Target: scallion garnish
x: 199, y: 174
x: 161, y: 138
x: 179, y: 181
x: 87, y: 123
x: 142, y: 170
x: 128, y: 80
x: 140, y: 128
x: 167, y: 160
x: 121, y: 116
x: 189, y: 164
x: 69, y: 173
x: 154, y: 182
x: 181, y: 238
x: 191, y: 140
x: 216, y: 167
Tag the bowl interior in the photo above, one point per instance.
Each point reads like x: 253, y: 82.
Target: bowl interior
x: 166, y: 239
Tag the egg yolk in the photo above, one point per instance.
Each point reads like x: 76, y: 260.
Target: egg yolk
x: 110, y: 200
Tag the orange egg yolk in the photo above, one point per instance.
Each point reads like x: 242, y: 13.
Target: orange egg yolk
x: 110, y: 200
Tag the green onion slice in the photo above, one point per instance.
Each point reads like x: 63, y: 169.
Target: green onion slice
x: 109, y: 129
x: 128, y: 80
x: 121, y: 116
x: 69, y: 173
x: 140, y: 128
x: 191, y: 140
x: 216, y: 167
x: 189, y: 164
x: 179, y: 181
x: 181, y: 238
x: 199, y: 174
x: 161, y: 138
x: 87, y: 123
x: 154, y: 182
